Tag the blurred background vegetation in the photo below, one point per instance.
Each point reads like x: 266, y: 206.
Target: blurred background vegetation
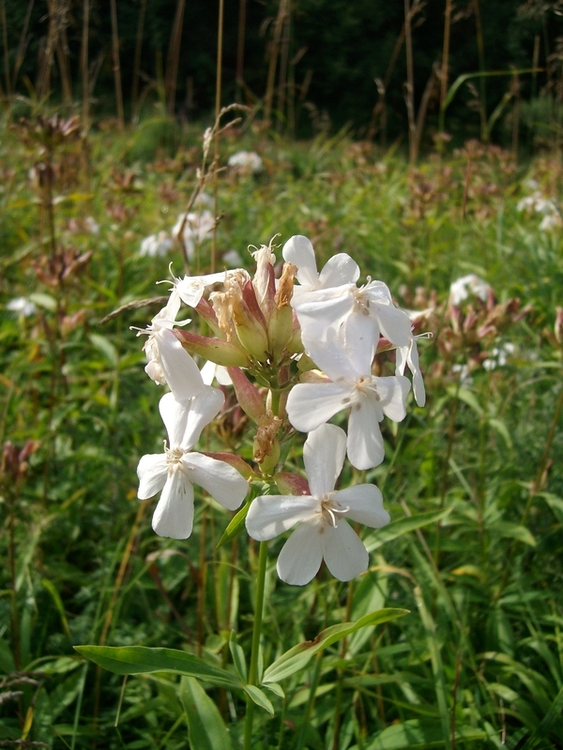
x: 424, y: 139
x: 307, y: 64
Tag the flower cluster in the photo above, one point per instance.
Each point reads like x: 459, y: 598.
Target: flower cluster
x: 295, y: 355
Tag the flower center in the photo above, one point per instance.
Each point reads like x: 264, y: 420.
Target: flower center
x: 361, y: 300
x: 173, y: 458
x: 330, y: 510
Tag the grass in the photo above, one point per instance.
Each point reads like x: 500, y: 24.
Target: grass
x: 473, y: 481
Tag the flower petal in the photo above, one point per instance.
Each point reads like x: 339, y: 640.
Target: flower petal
x: 190, y: 289
x: 340, y: 269
x: 365, y: 443
x: 365, y: 503
x: 152, y: 472
x: 174, y: 513
x: 344, y: 553
x: 393, y: 391
x: 310, y: 405
x: 302, y: 555
x: 299, y: 251
x: 323, y: 454
x: 221, y: 480
x: 271, y: 515
x: 185, y: 420
x: 180, y: 371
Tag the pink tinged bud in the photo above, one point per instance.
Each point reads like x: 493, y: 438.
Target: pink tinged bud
x: 265, y: 289
x: 250, y: 324
x: 206, y: 312
x: 235, y: 461
x: 291, y: 484
x: 249, y: 397
x: 216, y: 350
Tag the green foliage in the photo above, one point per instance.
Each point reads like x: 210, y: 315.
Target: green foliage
x: 472, y: 482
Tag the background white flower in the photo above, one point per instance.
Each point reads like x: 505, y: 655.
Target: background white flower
x: 22, y: 305
x: 323, y: 532
x: 461, y: 288
x: 156, y: 245
x: 247, y: 162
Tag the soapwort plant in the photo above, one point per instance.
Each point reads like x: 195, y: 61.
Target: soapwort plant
x: 294, y: 351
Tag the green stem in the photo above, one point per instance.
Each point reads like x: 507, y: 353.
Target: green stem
x: 256, y: 634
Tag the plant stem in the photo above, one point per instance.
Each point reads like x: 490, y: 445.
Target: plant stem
x: 256, y: 634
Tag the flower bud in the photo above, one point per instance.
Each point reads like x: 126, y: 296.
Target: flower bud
x: 266, y: 444
x: 250, y: 324
x: 216, y: 350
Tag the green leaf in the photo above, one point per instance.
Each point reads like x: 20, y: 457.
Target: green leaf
x: 403, y: 526
x: 141, y: 660
x: 205, y: 724
x: 416, y: 735
x: 275, y: 688
x: 236, y: 525
x: 259, y: 698
x: 514, y: 531
x: 238, y: 657
x: 297, y: 657
x: 463, y: 394
x: 104, y: 345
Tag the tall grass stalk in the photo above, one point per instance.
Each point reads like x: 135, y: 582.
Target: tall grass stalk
x: 445, y: 53
x: 137, y: 59
x: 482, y: 70
x: 171, y: 80
x: 241, y: 33
x: 116, y: 65
x: 409, y: 86
x: 273, y: 54
x: 22, y: 45
x: 4, y: 20
x: 218, y: 96
x: 84, y: 65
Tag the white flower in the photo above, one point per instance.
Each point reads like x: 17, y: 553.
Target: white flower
x: 246, y: 161
x: 464, y: 373
x: 177, y: 469
x: 211, y: 371
x: 168, y: 362
x: 332, y: 301
x: 22, y: 305
x: 499, y: 356
x: 550, y: 222
x: 190, y: 289
x: 92, y: 225
x: 461, y: 288
x: 197, y: 227
x: 340, y: 269
x: 323, y: 531
x: 369, y: 399
x: 408, y: 356
x: 156, y: 245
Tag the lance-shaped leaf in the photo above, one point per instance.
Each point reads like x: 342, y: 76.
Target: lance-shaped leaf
x: 403, y: 526
x: 216, y: 350
x: 142, y: 660
x: 297, y: 657
x: 207, y: 730
x: 249, y: 397
x: 236, y: 525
